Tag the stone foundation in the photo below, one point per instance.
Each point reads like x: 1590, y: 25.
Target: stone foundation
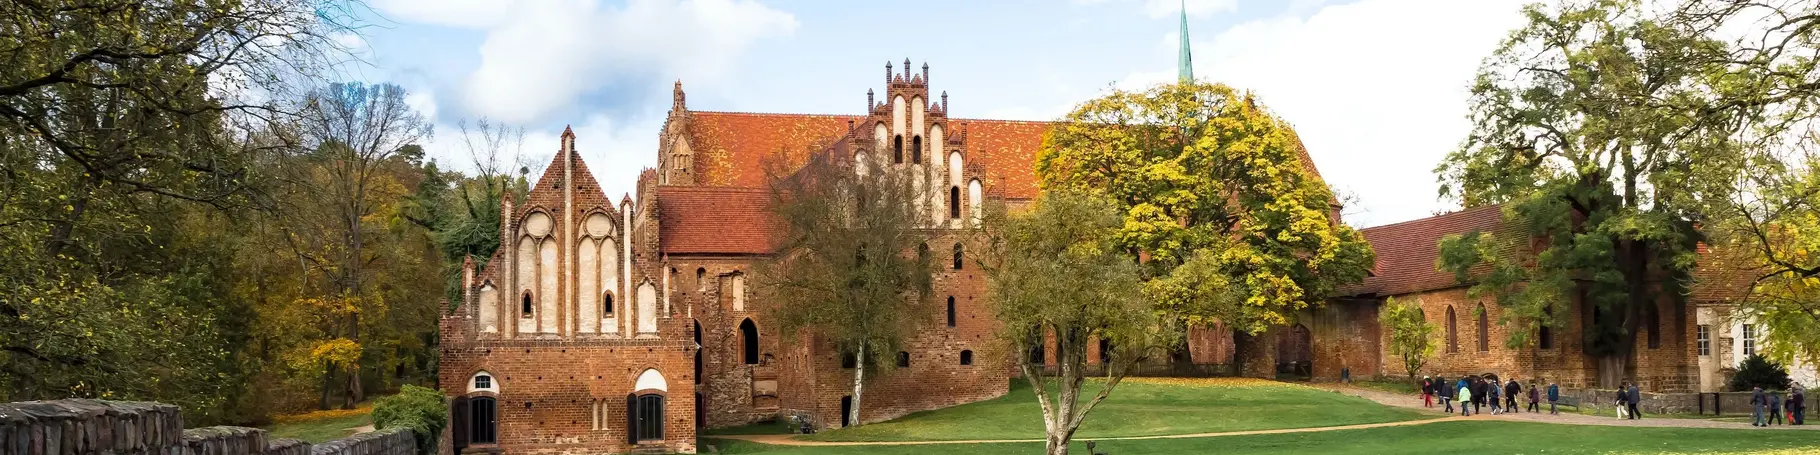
x: 95, y: 427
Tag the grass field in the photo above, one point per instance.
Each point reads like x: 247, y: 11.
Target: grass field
x: 322, y: 426
x: 1139, y: 407
x: 1443, y: 438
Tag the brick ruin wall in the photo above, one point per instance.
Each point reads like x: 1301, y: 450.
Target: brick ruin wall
x: 95, y: 427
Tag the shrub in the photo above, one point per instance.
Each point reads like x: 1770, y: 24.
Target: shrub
x: 1757, y: 371
x: 417, y: 408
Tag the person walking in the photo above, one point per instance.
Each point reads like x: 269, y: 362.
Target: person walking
x: 1633, y: 398
x: 1511, y: 390
x: 1622, y: 402
x: 1757, y: 402
x: 1775, y: 410
x: 1491, y: 396
x: 1800, y: 406
x: 1478, y: 394
x: 1535, y: 397
x: 1465, y: 396
x: 1428, y: 389
x: 1554, y: 395
x: 1444, y: 393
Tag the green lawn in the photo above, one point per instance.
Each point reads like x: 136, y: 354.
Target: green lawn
x: 1139, y: 408
x: 1444, y: 438
x: 322, y: 426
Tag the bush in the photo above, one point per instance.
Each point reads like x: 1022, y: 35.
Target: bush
x: 1757, y: 371
x: 417, y: 408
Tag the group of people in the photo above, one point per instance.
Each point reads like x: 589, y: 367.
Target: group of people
x: 1474, y: 393
x: 1794, y: 405
x: 1628, y: 397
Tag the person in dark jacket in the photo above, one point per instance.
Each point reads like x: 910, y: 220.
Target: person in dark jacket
x: 1535, y: 397
x: 1775, y: 410
x: 1622, y: 402
x: 1443, y: 393
x: 1428, y: 388
x: 1634, y: 397
x: 1478, y: 394
x: 1800, y: 400
x: 1511, y: 390
x: 1757, y: 401
x: 1554, y: 395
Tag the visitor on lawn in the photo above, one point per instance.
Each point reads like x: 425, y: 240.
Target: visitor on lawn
x: 1622, y: 402
x: 1465, y: 397
x: 1757, y: 401
x: 1800, y: 407
x: 1535, y: 399
x: 1775, y: 410
x: 1478, y: 394
x: 1443, y: 393
x: 1633, y: 398
x: 1511, y: 390
x: 1427, y: 387
x: 1491, y: 396
x: 1554, y: 395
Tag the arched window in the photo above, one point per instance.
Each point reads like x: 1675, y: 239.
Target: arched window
x: 848, y: 360
x: 1484, y: 330
x: 897, y: 149
x: 957, y: 256
x: 916, y: 149
x: 1654, y: 319
x: 701, y: 279
x: 483, y: 420
x: 1453, y: 331
x: 954, y: 202
x: 951, y: 311
x: 524, y: 307
x: 903, y: 359
x: 966, y: 357
x: 748, y: 339
x: 606, y: 304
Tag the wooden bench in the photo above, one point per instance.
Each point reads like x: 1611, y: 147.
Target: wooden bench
x: 1569, y: 401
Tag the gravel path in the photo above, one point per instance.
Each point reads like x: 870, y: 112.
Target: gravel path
x: 1566, y: 417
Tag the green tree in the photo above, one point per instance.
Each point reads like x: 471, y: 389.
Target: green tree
x: 1756, y: 371
x: 1057, y: 269
x: 1412, y: 337
x: 1216, y: 196
x: 851, y: 265
x: 1604, y: 128
x: 419, y: 409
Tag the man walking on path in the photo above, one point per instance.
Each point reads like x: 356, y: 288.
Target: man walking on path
x: 1535, y: 400
x: 1477, y: 386
x: 1491, y: 396
x: 1757, y: 400
x: 1444, y: 393
x: 1511, y: 389
x: 1465, y: 397
x: 1800, y: 404
x: 1775, y: 410
x: 1634, y: 397
x: 1554, y: 395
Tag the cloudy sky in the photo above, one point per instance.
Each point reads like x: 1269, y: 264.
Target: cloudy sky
x: 1376, y: 88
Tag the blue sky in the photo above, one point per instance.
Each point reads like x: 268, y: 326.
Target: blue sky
x: 1376, y: 88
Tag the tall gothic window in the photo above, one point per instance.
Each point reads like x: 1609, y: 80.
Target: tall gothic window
x: 951, y: 311
x: 954, y: 202
x: 957, y: 256
x: 1654, y: 319
x: 524, y: 310
x: 1484, y: 330
x: 606, y: 304
x: 1453, y: 331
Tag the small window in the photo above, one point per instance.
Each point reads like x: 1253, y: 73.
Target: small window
x: 957, y: 256
x: 524, y: 310
x: 1703, y: 339
x: 606, y: 304
x: 701, y: 279
x: 966, y: 357
x: 897, y: 149
x: 916, y: 149
x: 951, y: 311
x: 848, y: 360
x: 1750, y: 340
x: 483, y: 382
x: 903, y: 359
x: 954, y: 202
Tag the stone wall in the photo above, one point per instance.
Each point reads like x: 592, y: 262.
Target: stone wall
x: 1728, y: 403
x: 85, y: 427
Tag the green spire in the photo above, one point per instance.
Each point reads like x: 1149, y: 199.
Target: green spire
x: 1185, y: 63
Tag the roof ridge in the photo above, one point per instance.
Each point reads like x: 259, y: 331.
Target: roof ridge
x: 1435, y: 217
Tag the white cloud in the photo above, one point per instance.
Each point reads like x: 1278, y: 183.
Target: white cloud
x: 539, y: 56
x: 1377, y: 89
x: 1166, y: 8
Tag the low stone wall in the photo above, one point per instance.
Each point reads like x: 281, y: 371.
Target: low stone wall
x: 1728, y: 403
x: 95, y: 427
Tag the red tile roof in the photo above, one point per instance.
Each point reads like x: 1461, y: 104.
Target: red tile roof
x: 1406, y: 251
x: 717, y: 220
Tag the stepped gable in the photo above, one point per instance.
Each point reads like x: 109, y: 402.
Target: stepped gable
x: 546, y: 191
x: 1406, y: 251
x: 715, y: 220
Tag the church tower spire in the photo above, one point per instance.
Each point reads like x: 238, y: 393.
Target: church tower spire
x: 1185, y: 62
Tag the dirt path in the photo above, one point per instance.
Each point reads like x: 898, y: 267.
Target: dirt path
x: 1566, y: 417
x: 1382, y: 397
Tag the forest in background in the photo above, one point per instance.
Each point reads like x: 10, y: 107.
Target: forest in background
x: 197, y: 209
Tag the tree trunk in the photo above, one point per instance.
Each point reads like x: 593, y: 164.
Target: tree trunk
x: 328, y: 384
x: 859, y: 385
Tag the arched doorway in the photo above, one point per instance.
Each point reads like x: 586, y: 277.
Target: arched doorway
x: 846, y: 410
x: 748, y: 339
x: 1295, y: 353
